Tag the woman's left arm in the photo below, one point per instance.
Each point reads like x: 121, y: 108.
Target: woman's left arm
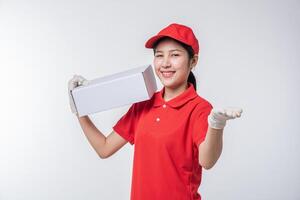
x: 211, y: 148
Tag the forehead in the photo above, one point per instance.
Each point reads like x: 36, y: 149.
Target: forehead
x: 169, y: 44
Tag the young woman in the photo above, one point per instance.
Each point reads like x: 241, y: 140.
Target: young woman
x: 175, y: 133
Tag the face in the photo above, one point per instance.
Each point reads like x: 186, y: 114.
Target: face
x: 172, y: 64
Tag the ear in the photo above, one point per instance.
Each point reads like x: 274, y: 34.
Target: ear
x: 194, y: 61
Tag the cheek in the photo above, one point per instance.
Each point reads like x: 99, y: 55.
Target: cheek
x: 156, y: 62
x: 180, y: 64
x: 156, y: 69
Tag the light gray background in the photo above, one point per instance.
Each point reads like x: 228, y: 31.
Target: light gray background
x: 249, y: 57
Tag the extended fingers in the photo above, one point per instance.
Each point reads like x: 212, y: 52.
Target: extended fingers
x: 233, y: 112
x: 239, y: 112
x: 229, y: 113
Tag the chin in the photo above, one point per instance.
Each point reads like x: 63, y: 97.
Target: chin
x: 168, y: 84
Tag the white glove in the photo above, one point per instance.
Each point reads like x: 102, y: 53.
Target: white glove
x: 218, y: 117
x: 74, y: 82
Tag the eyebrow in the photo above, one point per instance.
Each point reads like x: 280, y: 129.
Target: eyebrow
x: 169, y: 51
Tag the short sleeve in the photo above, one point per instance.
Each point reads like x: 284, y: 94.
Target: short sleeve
x: 201, y: 124
x: 126, y: 126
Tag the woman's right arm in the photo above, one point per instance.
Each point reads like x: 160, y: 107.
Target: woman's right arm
x: 104, y: 146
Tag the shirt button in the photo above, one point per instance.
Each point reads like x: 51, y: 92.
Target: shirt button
x: 157, y: 119
x: 164, y: 106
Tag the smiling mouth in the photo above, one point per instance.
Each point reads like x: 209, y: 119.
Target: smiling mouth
x: 167, y: 74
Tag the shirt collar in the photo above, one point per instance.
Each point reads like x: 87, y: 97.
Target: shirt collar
x: 177, y: 101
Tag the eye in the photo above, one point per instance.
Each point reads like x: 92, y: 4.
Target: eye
x: 159, y: 55
x: 175, y: 54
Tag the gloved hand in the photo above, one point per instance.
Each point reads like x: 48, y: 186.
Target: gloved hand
x: 74, y: 82
x: 218, y: 117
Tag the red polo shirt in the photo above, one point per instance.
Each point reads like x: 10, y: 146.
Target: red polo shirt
x: 166, y: 135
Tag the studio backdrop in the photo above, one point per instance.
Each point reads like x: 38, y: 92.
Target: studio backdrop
x: 249, y: 57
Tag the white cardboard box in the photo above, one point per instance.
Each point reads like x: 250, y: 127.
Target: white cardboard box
x: 115, y: 90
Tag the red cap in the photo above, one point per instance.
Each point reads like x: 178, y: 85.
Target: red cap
x: 178, y: 32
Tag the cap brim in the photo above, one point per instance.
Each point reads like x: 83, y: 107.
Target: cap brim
x: 151, y: 41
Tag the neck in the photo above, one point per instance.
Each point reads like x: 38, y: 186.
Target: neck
x: 170, y: 93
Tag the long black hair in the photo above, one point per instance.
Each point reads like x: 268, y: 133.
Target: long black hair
x: 191, y: 53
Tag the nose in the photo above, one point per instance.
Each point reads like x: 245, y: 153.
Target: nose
x: 166, y: 62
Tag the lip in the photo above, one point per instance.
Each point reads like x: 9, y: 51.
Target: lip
x: 167, y: 76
